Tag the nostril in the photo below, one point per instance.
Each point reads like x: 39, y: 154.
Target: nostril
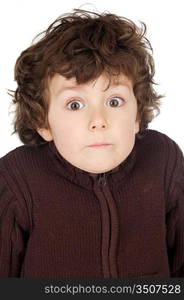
x: 94, y: 126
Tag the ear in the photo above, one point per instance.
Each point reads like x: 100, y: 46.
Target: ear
x: 45, y: 134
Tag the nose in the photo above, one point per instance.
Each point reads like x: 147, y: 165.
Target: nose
x: 98, y: 126
x: 98, y: 122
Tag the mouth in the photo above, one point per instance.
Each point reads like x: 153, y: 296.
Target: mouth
x: 100, y: 145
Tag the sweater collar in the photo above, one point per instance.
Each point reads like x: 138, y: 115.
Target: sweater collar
x: 86, y: 179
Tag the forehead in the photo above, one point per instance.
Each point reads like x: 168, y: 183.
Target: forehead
x: 59, y: 83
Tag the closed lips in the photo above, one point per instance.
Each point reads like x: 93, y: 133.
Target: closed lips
x: 102, y: 144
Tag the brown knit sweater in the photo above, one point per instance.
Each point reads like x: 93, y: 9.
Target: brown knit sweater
x: 59, y: 221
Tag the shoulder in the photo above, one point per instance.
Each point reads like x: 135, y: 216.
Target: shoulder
x: 152, y: 136
x: 158, y: 142
x: 23, y: 165
x: 159, y: 153
x: 23, y: 157
x: 14, y: 198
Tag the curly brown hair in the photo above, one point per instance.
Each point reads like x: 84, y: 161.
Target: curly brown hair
x: 82, y: 44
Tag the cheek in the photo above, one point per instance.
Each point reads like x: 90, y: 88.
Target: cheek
x: 69, y: 137
x: 124, y: 133
x: 125, y: 126
x: 60, y: 125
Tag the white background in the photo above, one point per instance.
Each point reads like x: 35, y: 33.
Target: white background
x: 21, y: 21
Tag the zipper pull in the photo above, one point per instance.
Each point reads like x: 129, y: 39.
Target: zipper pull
x: 102, y: 179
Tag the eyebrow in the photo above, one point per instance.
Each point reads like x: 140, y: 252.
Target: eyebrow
x: 112, y: 85
x: 116, y: 84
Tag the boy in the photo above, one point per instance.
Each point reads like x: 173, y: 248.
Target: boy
x: 93, y: 192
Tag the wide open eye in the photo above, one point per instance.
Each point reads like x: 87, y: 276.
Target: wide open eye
x: 74, y: 105
x: 116, y: 101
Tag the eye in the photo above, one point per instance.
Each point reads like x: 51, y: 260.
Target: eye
x: 116, y: 101
x: 74, y: 105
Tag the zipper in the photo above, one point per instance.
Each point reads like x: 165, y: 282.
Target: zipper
x: 102, y: 179
x: 109, y: 227
x: 99, y: 189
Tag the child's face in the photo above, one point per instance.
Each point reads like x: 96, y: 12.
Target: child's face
x: 86, y: 114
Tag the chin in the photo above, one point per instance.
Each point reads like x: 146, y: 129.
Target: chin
x: 98, y: 165
x: 98, y: 170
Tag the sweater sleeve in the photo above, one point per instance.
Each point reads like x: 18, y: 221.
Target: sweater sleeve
x: 175, y: 213
x: 13, y: 235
